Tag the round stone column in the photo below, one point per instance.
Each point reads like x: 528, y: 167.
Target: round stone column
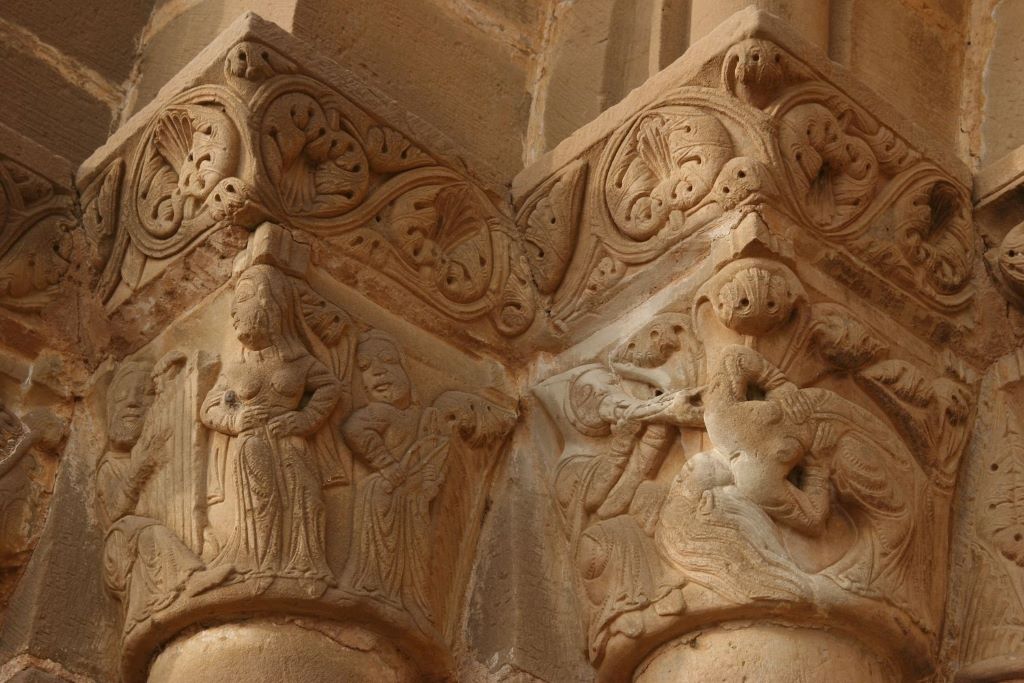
x: 280, y: 650
x: 766, y: 653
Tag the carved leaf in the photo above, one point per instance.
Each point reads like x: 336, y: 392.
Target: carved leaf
x: 666, y: 164
x: 318, y: 168
x: 834, y: 174
x: 551, y: 227
x: 935, y: 235
x: 391, y: 152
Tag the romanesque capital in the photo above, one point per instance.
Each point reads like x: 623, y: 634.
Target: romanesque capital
x: 760, y: 454
x: 259, y: 128
x: 269, y: 441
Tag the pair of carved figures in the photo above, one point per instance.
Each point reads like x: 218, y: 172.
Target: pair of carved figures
x: 794, y: 495
x: 262, y: 434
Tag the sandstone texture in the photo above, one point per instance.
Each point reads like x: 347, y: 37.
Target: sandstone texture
x: 511, y: 340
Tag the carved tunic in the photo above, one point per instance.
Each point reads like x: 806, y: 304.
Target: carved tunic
x: 393, y: 502
x: 279, y: 511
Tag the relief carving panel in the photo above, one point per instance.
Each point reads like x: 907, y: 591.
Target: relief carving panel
x: 299, y: 466
x: 727, y: 329
x: 275, y: 143
x: 36, y: 219
x: 750, y: 451
x: 772, y: 138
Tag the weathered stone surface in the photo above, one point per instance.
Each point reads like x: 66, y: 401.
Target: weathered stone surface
x: 40, y: 104
x: 99, y: 38
x: 402, y: 45
x: 724, y: 385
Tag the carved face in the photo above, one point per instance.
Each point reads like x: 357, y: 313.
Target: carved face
x: 383, y: 375
x: 128, y: 398
x: 255, y: 314
x: 755, y: 301
x: 1011, y: 258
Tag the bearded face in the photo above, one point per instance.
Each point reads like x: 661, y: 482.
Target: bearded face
x: 127, y: 400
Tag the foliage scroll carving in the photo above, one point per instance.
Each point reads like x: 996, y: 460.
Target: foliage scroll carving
x: 274, y: 143
x: 771, y: 138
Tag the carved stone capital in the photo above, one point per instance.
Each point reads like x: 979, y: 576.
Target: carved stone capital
x: 754, y: 122
x: 293, y: 459
x: 771, y: 434
x: 259, y: 128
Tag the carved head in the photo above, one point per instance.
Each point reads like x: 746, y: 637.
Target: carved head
x: 1011, y: 259
x: 128, y: 397
x: 755, y: 301
x: 841, y: 340
x: 259, y: 307
x: 380, y: 364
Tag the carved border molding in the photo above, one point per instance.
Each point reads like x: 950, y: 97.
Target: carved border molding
x: 755, y: 126
x: 265, y: 138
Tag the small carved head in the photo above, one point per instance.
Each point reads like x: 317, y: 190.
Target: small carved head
x: 1011, y: 259
x: 842, y: 341
x: 259, y: 305
x: 128, y: 397
x: 250, y: 61
x: 380, y: 364
x: 755, y: 301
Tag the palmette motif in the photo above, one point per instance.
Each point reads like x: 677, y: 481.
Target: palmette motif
x: 770, y: 139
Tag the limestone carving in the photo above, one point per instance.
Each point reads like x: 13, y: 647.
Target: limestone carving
x: 268, y: 406
x: 701, y: 390
x: 770, y: 139
x: 149, y: 486
x: 100, y: 217
x: 986, y: 611
x: 799, y: 494
x: 35, y: 246
x: 29, y: 447
x: 1006, y: 263
x: 276, y: 143
x: 381, y: 201
x: 227, y: 477
x: 408, y: 450
x: 551, y: 217
x: 184, y: 175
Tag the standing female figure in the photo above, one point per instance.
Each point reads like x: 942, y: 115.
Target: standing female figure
x: 269, y: 402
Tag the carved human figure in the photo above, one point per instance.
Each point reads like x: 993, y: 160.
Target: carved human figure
x: 268, y: 403
x: 609, y: 500
x: 146, y: 563
x: 791, y: 453
x: 406, y: 456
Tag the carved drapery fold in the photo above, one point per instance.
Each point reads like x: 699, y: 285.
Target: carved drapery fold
x: 729, y: 306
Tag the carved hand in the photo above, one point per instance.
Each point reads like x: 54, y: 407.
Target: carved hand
x: 251, y: 418
x: 392, y: 476
x: 685, y: 408
x: 291, y: 423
